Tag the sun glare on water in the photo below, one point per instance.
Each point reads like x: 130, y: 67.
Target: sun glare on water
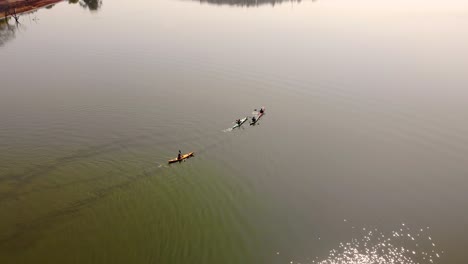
x: 402, y: 246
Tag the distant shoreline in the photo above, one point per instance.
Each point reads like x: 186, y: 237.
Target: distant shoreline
x: 22, y: 6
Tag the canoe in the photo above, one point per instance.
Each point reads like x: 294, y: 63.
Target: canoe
x: 241, y: 123
x: 183, y: 157
x: 258, y: 116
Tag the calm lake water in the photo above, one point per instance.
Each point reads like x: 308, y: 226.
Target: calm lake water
x: 362, y: 153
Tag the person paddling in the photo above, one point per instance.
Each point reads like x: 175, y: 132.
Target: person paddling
x: 254, y: 119
x: 261, y: 110
x: 179, y: 156
x: 238, y: 122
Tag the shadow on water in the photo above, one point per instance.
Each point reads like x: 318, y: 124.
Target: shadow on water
x: 249, y: 3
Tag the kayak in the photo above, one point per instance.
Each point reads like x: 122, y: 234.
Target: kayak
x: 242, y: 121
x: 182, y: 157
x: 258, y: 116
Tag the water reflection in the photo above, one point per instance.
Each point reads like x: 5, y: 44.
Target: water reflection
x: 248, y: 3
x: 7, y: 31
x: 8, y: 27
x: 90, y: 4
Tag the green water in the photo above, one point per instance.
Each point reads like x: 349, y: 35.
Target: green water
x: 170, y: 219
x: 363, y: 140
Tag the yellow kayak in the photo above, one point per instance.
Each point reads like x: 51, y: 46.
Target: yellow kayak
x: 182, y: 157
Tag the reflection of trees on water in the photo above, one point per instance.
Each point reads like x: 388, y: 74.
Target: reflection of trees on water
x: 91, y: 4
x: 248, y: 3
x: 9, y: 26
x: 7, y: 31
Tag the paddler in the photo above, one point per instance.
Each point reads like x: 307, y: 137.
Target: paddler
x: 179, y: 156
x: 238, y: 122
x: 261, y: 110
x: 254, y: 119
